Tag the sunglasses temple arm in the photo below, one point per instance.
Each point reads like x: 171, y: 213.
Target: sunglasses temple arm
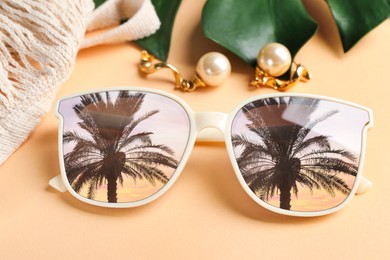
x: 57, y: 183
x: 364, y: 185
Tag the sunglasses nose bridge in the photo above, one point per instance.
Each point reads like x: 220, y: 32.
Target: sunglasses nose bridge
x: 205, y: 120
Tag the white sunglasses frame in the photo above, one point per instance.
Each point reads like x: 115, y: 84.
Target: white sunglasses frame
x: 208, y: 121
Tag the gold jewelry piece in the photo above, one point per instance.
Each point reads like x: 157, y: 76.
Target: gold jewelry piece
x: 212, y: 69
x: 274, y: 60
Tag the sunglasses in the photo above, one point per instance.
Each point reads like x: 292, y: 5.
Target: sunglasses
x: 294, y: 154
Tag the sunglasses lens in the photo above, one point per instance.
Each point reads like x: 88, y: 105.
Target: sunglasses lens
x: 122, y: 146
x: 298, y: 153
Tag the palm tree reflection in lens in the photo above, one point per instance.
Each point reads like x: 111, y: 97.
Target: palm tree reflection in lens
x: 112, y: 150
x: 283, y: 156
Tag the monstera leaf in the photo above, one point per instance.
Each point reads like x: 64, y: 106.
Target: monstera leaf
x: 98, y: 3
x: 245, y: 26
x: 356, y: 18
x: 158, y: 43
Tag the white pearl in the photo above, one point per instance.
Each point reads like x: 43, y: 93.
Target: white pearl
x: 274, y: 59
x: 213, y: 68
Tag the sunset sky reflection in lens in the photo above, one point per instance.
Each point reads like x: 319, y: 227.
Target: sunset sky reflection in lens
x: 168, y: 127
x: 296, y: 169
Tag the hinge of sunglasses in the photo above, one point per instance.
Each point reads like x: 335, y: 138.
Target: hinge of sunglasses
x: 364, y: 185
x: 57, y: 183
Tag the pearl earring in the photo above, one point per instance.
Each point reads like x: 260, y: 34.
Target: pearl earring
x: 273, y: 61
x: 212, y: 69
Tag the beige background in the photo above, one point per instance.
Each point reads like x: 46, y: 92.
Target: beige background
x: 206, y: 214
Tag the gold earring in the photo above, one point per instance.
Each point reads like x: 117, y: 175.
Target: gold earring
x: 212, y: 69
x: 273, y: 61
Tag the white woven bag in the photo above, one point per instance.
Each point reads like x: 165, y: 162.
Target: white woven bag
x: 39, y: 41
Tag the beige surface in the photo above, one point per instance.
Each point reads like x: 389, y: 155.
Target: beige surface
x: 206, y: 214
